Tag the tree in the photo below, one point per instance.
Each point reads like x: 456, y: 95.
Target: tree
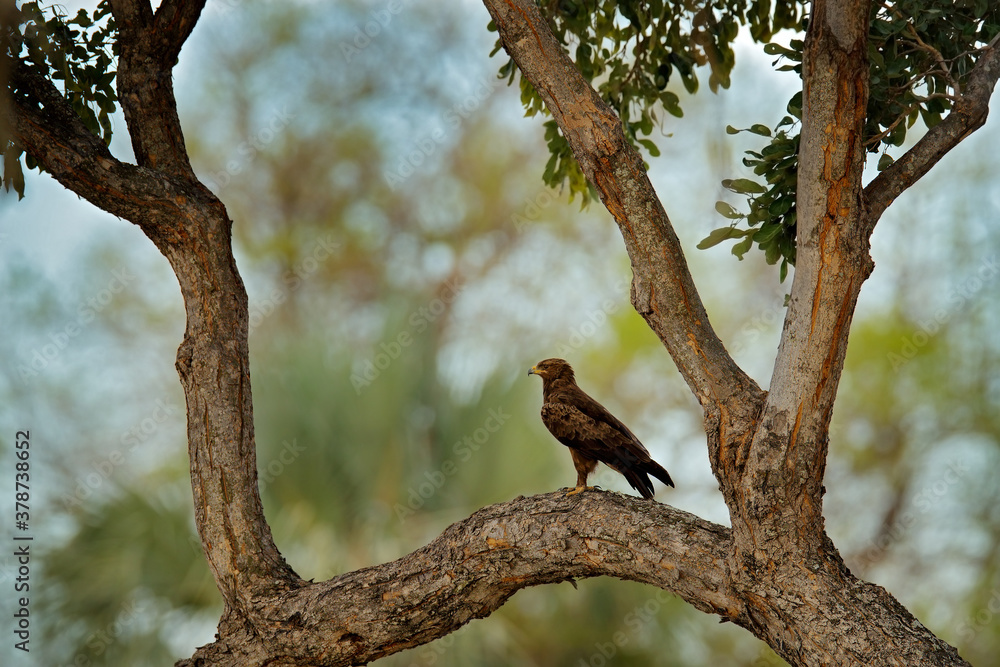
x: 775, y: 572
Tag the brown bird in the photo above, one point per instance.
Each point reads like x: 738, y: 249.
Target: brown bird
x: 591, y: 432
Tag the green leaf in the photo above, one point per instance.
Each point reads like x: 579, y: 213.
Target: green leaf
x: 885, y: 161
x: 727, y: 211
x: 773, y: 49
x: 772, y: 252
x: 762, y: 130
x: 549, y: 175
x: 732, y: 130
x: 766, y: 234
x: 780, y: 206
x: 646, y: 123
x: 743, y: 186
x: 13, y: 176
x: 671, y: 103
x: 654, y: 151
x: 690, y: 83
x: 743, y: 247
x: 897, y: 136
x: 717, y: 236
x: 795, y: 105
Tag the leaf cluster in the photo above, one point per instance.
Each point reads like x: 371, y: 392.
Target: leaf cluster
x: 772, y: 204
x: 920, y: 55
x: 80, y: 52
x: 630, y: 51
x: 771, y: 220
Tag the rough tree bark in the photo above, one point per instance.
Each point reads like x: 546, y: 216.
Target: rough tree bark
x: 775, y: 573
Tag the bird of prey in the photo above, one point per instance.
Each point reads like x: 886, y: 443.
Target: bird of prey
x: 591, y: 432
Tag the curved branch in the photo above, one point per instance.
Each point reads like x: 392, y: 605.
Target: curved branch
x: 663, y: 291
x: 475, y: 566
x: 193, y: 231
x: 811, y: 613
x: 967, y: 116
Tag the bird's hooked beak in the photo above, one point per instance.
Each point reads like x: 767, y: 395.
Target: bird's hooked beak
x: 534, y: 371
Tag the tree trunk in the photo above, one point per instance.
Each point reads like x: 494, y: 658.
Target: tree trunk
x: 768, y: 450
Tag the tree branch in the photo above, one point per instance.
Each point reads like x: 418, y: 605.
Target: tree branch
x: 809, y: 608
x: 787, y: 458
x: 47, y: 127
x: 148, y: 48
x: 663, y: 291
x: 816, y: 616
x: 475, y: 566
x: 172, y: 24
x: 967, y: 116
x: 192, y: 229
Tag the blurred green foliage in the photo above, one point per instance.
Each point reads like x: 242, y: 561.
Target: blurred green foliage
x: 370, y: 441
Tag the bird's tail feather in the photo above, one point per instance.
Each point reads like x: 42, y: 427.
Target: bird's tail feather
x: 659, y: 472
x: 639, y: 481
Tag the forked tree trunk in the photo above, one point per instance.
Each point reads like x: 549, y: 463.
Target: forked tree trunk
x: 775, y: 573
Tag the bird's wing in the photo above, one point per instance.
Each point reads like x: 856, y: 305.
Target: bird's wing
x: 597, y: 412
x: 580, y: 422
x: 597, y: 438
